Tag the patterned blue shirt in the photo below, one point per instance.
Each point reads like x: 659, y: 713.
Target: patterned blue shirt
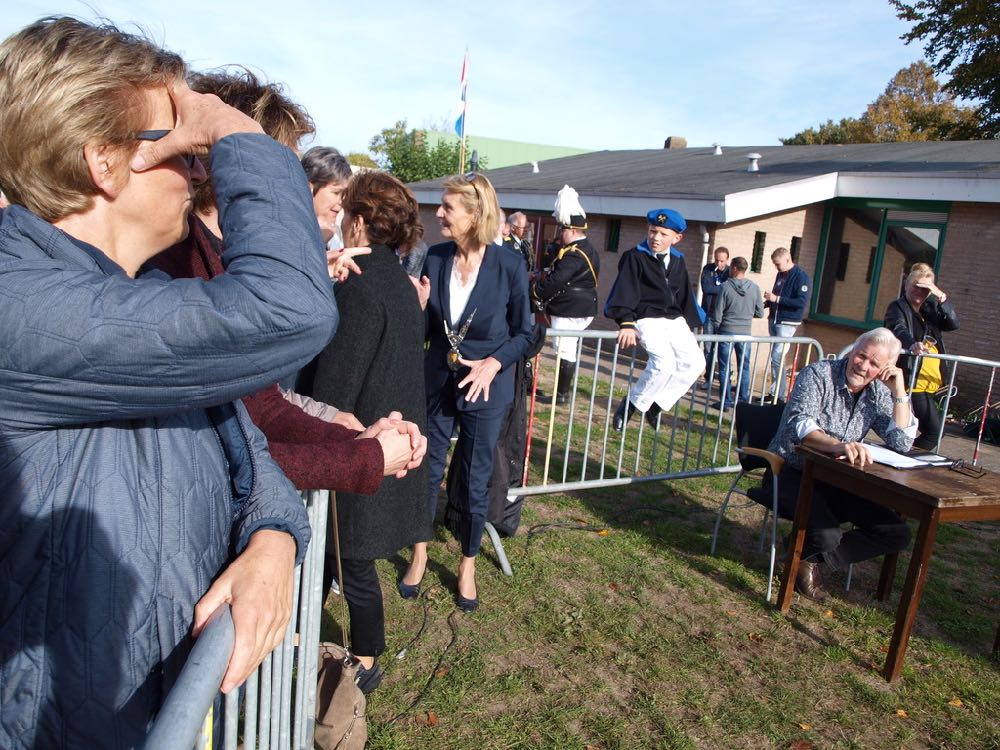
x: 821, y: 401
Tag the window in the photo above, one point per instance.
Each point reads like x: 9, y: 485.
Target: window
x: 794, y: 248
x: 842, y: 258
x: 857, y: 290
x: 614, y: 234
x: 757, y: 260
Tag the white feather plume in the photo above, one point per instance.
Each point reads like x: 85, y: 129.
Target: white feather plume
x: 567, y: 205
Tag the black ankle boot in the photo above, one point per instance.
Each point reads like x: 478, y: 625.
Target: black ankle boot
x: 624, y: 414
x: 652, y: 413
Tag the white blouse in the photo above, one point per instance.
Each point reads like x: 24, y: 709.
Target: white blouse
x: 459, y: 294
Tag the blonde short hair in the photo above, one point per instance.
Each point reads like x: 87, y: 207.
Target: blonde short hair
x: 919, y: 272
x: 480, y: 199
x: 65, y: 83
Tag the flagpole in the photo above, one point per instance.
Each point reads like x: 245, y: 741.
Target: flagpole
x: 465, y: 107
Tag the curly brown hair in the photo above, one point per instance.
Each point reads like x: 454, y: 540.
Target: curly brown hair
x: 282, y: 119
x: 390, y: 212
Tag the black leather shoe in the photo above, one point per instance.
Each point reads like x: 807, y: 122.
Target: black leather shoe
x: 369, y: 679
x: 809, y: 582
x: 652, y: 414
x: 624, y: 414
x: 408, y: 591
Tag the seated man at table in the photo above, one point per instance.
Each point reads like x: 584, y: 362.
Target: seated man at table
x: 833, y: 406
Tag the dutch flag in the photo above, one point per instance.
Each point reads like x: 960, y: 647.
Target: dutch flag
x: 463, y: 87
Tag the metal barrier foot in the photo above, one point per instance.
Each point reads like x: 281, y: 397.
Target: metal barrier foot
x: 498, y: 548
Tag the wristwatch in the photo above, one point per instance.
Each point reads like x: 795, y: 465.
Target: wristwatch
x: 900, y: 399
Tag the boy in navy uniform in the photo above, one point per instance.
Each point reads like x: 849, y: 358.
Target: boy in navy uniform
x: 652, y: 303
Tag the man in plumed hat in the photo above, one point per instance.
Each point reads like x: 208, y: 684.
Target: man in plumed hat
x: 567, y: 290
x: 652, y: 303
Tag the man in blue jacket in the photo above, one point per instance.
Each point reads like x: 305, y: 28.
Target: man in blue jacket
x: 137, y: 495
x: 788, y: 301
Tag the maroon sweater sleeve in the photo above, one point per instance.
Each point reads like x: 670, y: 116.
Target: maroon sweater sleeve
x: 313, y: 453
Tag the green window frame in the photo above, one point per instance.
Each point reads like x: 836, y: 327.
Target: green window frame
x: 757, y: 259
x: 614, y: 235
x: 855, y: 289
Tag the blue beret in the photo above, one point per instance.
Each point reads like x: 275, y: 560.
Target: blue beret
x: 667, y: 217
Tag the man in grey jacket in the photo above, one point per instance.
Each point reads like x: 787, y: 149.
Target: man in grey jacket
x: 137, y: 495
x: 738, y: 303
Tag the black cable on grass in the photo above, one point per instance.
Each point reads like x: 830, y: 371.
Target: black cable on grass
x: 434, y: 672
x: 423, y: 625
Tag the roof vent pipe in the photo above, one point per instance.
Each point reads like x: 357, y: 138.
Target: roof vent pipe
x: 534, y: 167
x: 752, y: 159
x: 718, y: 150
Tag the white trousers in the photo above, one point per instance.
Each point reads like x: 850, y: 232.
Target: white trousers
x: 566, y: 345
x: 675, y: 362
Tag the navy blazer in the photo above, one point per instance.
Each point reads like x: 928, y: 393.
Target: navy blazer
x: 501, y: 328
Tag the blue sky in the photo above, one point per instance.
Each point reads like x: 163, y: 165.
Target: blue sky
x: 602, y: 76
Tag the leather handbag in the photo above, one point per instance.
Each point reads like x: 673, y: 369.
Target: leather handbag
x: 340, y: 704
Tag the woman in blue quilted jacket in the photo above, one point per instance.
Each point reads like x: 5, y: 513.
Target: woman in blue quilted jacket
x: 137, y: 495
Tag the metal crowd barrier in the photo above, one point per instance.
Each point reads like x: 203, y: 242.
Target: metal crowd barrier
x: 580, y: 449
x: 279, y: 698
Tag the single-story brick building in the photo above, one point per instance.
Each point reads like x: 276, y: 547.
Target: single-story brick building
x: 854, y: 217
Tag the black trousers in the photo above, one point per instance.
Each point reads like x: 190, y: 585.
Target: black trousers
x: 363, y: 593
x: 928, y: 419
x: 877, y: 530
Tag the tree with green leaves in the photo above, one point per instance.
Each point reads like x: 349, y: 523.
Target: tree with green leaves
x: 962, y: 40
x: 405, y: 154
x: 848, y: 130
x: 913, y: 107
x: 357, y: 159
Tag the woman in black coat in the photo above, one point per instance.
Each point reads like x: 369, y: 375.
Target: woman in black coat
x: 917, y: 319
x: 374, y: 366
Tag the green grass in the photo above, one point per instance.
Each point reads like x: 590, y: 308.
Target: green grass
x: 640, y: 639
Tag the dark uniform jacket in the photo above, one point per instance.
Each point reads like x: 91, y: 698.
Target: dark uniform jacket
x: 512, y: 242
x: 645, y: 289
x: 569, y: 289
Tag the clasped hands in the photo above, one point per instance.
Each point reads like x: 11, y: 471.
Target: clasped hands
x: 403, y: 447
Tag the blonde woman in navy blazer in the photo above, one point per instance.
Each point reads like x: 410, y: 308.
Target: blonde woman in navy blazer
x: 476, y: 390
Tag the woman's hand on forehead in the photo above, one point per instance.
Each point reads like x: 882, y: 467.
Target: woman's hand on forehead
x: 201, y: 121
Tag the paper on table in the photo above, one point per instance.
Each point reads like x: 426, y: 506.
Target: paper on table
x: 883, y: 455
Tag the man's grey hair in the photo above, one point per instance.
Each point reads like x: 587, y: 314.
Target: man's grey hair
x: 880, y: 337
x: 516, y: 215
x: 323, y: 165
